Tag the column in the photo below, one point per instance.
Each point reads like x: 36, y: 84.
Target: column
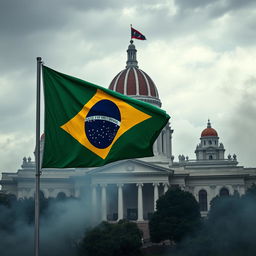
x: 103, y: 202
x: 166, y: 187
x: 140, y: 202
x: 156, y: 194
x: 120, y: 202
x: 171, y: 132
x: 241, y: 190
x: 159, y: 144
x: 164, y: 142
x: 155, y: 148
x: 77, y: 191
x: 94, y: 202
x: 167, y: 138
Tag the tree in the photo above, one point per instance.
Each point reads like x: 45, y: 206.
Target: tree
x: 123, y: 238
x: 7, y: 212
x: 251, y: 192
x: 7, y: 199
x: 230, y: 227
x: 177, y: 215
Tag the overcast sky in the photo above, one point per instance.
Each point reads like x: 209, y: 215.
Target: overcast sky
x: 200, y: 53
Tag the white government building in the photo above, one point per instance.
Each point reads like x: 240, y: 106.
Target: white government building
x: 130, y: 188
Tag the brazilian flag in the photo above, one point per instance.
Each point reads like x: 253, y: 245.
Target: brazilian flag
x: 87, y: 125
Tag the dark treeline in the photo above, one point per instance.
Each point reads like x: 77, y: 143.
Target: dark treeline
x: 63, y: 222
x: 117, y: 239
x: 229, y: 229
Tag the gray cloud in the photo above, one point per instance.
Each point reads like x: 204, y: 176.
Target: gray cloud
x: 190, y: 54
x: 217, y: 7
x: 241, y: 132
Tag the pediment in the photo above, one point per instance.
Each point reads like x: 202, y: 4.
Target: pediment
x: 131, y: 166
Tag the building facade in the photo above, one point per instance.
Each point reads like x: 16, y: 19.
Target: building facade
x: 130, y: 188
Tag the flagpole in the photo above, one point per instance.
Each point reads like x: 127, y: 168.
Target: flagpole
x: 37, y: 156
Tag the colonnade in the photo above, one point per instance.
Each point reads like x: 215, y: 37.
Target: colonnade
x: 120, y: 199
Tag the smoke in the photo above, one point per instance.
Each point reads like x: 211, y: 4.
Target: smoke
x: 229, y: 230
x: 231, y: 224
x: 62, y: 224
x: 242, y: 124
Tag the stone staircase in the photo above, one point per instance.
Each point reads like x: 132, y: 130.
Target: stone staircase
x: 143, y: 226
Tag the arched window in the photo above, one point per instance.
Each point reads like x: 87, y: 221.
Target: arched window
x: 61, y: 196
x: 41, y: 195
x: 224, y: 192
x: 202, y: 200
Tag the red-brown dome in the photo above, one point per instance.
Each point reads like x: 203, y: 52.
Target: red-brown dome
x: 133, y: 81
x: 209, y: 132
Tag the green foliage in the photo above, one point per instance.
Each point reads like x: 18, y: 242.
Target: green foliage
x: 251, y: 192
x: 229, y: 229
x: 231, y: 223
x: 60, y: 228
x: 6, y: 199
x: 177, y: 215
x: 121, y: 239
x: 224, y: 206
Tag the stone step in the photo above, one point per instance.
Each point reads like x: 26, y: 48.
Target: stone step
x: 143, y: 226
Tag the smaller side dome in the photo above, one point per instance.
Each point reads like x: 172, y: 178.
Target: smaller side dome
x: 209, y: 131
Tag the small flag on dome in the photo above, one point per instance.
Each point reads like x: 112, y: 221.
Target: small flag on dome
x: 136, y: 34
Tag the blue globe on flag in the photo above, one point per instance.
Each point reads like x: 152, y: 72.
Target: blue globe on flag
x: 102, y: 123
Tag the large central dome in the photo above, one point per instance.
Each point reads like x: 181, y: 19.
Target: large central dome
x: 134, y: 82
